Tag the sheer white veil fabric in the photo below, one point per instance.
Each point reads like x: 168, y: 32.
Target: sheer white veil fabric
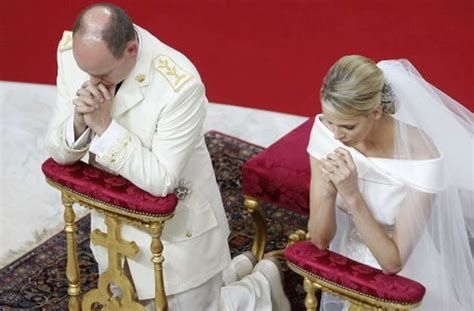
x: 437, y: 220
x: 430, y: 125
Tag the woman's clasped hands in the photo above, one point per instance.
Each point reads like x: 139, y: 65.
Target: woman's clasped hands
x: 339, y: 169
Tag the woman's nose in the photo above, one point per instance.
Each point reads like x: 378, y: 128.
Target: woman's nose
x: 338, y: 133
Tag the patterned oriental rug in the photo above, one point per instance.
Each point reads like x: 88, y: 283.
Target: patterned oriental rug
x: 37, y: 281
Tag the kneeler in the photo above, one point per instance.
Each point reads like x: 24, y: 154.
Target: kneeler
x: 365, y: 287
x: 281, y: 175
x: 121, y: 202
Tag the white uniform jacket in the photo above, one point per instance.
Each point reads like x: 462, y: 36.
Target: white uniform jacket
x: 157, y: 144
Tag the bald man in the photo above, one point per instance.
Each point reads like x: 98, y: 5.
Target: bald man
x: 137, y: 107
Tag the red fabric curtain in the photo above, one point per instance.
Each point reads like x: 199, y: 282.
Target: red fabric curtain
x: 267, y: 54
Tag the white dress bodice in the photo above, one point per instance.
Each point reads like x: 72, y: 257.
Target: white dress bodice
x: 383, y: 183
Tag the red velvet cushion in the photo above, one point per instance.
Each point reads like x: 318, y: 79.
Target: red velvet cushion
x: 348, y: 273
x: 281, y: 173
x: 100, y: 185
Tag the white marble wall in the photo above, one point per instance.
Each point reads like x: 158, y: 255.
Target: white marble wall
x: 30, y: 210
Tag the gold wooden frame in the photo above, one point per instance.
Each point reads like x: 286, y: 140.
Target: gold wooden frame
x: 252, y: 206
x: 117, y: 247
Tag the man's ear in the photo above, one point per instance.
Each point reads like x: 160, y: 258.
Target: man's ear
x: 377, y: 112
x: 132, y: 48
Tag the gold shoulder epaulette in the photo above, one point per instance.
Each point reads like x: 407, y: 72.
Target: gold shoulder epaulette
x: 66, y: 41
x: 175, y: 75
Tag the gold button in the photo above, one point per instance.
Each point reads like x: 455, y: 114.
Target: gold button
x: 140, y: 78
x: 189, y: 234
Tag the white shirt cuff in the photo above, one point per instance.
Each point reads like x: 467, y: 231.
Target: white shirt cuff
x: 100, y: 144
x: 82, y: 141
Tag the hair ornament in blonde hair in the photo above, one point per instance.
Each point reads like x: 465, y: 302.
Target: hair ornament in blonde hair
x: 388, y: 99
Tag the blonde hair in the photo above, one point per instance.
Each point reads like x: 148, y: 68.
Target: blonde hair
x: 352, y: 87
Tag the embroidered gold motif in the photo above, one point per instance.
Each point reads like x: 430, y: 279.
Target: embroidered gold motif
x: 140, y: 78
x: 174, y: 74
x: 66, y: 41
x: 115, y: 158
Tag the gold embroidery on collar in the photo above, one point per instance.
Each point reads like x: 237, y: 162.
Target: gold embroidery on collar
x: 174, y: 74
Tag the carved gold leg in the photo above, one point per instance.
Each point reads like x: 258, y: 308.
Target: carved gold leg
x: 72, y: 270
x: 310, y: 302
x: 253, y: 207
x: 116, y: 249
x: 156, y: 248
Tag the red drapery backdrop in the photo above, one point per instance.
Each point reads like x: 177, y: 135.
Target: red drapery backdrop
x: 267, y: 54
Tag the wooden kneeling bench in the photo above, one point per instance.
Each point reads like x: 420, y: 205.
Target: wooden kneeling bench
x: 121, y: 202
x: 365, y: 287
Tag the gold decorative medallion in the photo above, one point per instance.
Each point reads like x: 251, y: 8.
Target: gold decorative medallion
x: 140, y: 78
x: 175, y: 75
x: 66, y: 41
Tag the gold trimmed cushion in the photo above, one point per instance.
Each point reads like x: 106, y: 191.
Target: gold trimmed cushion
x: 347, y: 274
x: 91, y: 182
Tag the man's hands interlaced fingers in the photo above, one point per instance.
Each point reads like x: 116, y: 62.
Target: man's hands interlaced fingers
x: 93, y: 105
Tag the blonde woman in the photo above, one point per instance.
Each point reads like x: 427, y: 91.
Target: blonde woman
x: 391, y: 175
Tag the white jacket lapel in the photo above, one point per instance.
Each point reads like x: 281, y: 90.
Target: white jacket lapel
x: 130, y: 92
